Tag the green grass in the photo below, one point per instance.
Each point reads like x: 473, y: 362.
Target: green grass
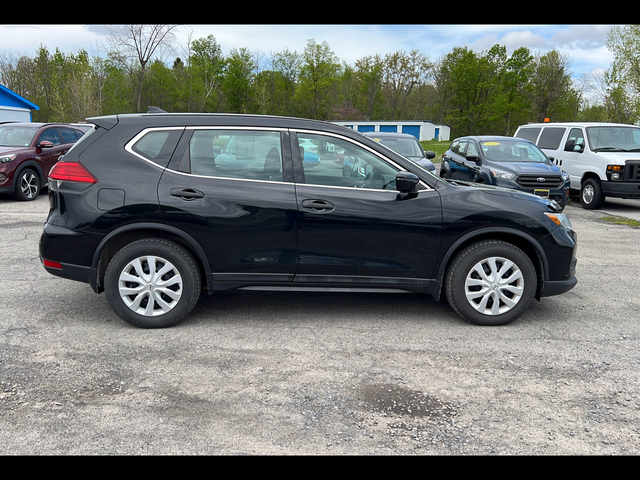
x: 436, y: 146
x: 622, y: 221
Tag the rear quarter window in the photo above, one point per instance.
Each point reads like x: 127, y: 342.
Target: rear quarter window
x: 551, y: 137
x: 157, y: 145
x: 530, y: 134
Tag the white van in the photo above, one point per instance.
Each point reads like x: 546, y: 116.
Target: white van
x: 603, y: 159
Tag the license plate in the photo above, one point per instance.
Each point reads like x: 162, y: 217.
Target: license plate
x: 541, y: 193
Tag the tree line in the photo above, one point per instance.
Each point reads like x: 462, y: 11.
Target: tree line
x: 487, y: 92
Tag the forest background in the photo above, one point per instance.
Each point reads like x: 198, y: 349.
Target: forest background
x: 486, y: 92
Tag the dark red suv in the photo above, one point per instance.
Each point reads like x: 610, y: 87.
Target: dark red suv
x: 27, y: 153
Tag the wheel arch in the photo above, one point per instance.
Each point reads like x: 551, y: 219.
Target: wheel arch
x: 32, y: 165
x: 520, y: 239
x: 117, y: 239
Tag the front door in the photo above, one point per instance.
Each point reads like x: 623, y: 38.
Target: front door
x: 354, y: 226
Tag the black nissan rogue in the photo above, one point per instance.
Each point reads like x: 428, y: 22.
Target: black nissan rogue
x: 154, y: 208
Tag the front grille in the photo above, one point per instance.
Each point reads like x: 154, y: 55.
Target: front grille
x: 533, y: 181
x: 633, y: 171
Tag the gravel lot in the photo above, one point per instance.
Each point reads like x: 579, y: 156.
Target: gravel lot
x: 321, y: 374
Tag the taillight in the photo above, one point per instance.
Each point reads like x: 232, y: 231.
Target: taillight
x: 71, y: 172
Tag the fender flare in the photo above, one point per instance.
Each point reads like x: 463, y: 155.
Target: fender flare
x: 193, y: 244
x: 469, y: 236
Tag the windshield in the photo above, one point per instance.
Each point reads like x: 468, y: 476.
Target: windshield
x: 409, y: 147
x: 512, y: 151
x: 16, y: 135
x: 614, y: 138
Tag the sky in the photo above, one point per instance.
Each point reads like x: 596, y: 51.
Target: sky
x: 584, y: 44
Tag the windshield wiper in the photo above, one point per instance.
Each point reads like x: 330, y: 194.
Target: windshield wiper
x: 610, y: 149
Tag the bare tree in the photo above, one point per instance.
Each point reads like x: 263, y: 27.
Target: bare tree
x: 137, y: 45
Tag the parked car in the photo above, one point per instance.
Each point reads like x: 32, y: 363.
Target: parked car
x: 142, y: 211
x: 407, y: 145
x: 602, y: 159
x: 27, y: 153
x: 505, y: 162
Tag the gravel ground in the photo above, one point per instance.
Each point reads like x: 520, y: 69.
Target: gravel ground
x: 274, y: 373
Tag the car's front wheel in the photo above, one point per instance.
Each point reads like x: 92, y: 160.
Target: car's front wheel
x: 490, y: 283
x: 591, y: 196
x: 152, y: 283
x: 27, y: 185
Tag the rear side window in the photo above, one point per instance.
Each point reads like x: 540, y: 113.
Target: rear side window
x: 157, y: 145
x: 530, y: 134
x: 551, y: 137
x: 239, y: 154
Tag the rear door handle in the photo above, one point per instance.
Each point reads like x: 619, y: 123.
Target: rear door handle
x: 186, y: 193
x: 318, y: 206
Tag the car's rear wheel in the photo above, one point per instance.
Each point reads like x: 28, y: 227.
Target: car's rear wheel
x: 490, y: 283
x: 152, y: 283
x: 27, y: 185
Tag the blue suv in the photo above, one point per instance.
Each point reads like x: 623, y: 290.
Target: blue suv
x: 505, y: 162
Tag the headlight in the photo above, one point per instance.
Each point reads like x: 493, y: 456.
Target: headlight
x: 503, y: 175
x: 560, y: 219
x: 7, y: 158
x: 615, y: 172
x: 565, y: 176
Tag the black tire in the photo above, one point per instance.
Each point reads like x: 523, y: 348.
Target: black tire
x: 591, y: 196
x: 150, y: 301
x: 501, y: 301
x: 27, y: 185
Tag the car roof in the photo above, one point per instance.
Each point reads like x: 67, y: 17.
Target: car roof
x: 577, y: 124
x: 487, y: 138
x: 388, y: 134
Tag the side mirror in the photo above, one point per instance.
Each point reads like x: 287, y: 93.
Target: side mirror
x: 474, y: 158
x: 430, y: 154
x: 45, y: 144
x: 406, y: 182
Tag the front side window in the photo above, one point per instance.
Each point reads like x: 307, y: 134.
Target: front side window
x: 50, y: 135
x: 577, y: 140
x: 240, y: 154
x: 341, y: 163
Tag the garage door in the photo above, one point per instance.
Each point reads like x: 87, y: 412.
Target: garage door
x: 412, y: 129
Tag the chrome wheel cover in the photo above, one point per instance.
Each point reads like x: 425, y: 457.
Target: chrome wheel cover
x: 150, y: 286
x: 588, y: 194
x: 29, y: 185
x: 494, y: 286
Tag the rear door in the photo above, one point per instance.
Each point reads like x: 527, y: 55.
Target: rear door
x: 231, y: 190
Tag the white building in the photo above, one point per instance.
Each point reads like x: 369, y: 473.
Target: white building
x: 14, y: 108
x: 423, y: 131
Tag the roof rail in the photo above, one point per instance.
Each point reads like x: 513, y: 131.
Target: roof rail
x: 152, y: 109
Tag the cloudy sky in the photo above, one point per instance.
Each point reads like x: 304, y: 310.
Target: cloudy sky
x: 584, y: 44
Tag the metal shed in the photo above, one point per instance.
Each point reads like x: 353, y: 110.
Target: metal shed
x: 14, y: 108
x: 425, y: 130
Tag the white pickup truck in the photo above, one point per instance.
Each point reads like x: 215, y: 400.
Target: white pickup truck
x: 603, y: 159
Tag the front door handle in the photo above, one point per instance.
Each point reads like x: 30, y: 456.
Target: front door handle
x: 186, y: 193
x: 318, y: 206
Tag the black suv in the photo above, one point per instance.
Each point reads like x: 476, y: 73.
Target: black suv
x: 154, y: 208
